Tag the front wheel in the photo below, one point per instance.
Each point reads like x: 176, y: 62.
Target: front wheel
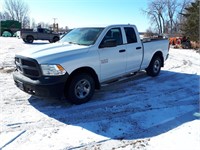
x: 154, y: 66
x: 81, y: 89
x: 24, y: 40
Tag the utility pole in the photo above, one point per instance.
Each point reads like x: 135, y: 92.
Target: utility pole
x: 54, y: 20
x: 55, y: 25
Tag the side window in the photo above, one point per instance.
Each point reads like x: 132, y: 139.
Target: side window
x: 47, y: 31
x: 130, y: 35
x: 114, y: 33
x: 40, y: 30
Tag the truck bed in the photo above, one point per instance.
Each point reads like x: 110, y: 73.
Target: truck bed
x: 151, y: 47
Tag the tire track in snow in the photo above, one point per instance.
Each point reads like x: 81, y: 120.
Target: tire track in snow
x: 127, y: 101
x: 106, y: 110
x: 113, y: 106
x: 98, y: 116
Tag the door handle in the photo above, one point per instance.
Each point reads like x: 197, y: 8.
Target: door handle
x: 138, y: 47
x: 122, y: 50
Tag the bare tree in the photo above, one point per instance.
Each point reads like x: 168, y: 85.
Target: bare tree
x: 165, y: 14
x: 5, y: 16
x: 1, y: 16
x: 44, y: 25
x: 17, y: 10
x: 149, y: 32
x: 159, y: 7
x: 26, y: 22
x: 171, y: 7
x: 33, y: 24
x: 154, y: 20
x: 155, y: 12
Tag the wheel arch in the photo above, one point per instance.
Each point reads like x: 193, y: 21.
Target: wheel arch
x: 29, y: 35
x: 87, y: 70
x: 56, y: 37
x: 8, y: 30
x: 160, y: 54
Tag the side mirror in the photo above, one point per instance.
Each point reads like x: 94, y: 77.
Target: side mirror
x: 108, y: 43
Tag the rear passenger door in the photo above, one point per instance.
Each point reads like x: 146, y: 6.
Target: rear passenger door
x: 134, y: 50
x: 41, y: 35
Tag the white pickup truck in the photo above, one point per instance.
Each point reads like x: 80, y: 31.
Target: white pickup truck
x: 84, y: 59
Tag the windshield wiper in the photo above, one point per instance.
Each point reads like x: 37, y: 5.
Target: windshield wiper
x: 72, y: 43
x: 78, y: 43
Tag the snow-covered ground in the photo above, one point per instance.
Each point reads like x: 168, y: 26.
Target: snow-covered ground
x: 139, y: 112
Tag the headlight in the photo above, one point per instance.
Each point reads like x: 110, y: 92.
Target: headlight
x: 52, y: 70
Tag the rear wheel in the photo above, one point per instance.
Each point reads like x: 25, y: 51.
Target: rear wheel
x: 55, y: 39
x: 154, y: 66
x: 29, y: 39
x: 81, y: 89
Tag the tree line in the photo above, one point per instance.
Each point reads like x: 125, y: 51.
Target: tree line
x: 174, y: 17
x: 19, y: 10
x: 16, y: 10
x: 191, y: 22
x: 166, y: 16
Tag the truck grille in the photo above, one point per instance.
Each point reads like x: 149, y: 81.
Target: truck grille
x: 28, y: 67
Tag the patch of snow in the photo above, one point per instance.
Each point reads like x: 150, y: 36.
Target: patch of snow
x: 139, y: 112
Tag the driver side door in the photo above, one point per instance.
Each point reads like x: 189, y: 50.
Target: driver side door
x: 112, y: 56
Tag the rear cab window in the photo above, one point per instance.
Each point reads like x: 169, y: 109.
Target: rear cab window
x: 130, y: 35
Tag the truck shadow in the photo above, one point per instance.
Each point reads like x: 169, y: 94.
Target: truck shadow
x: 131, y: 109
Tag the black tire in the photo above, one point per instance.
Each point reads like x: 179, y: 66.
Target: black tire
x: 81, y: 89
x: 55, y: 39
x: 154, y: 66
x: 24, y: 40
x: 29, y: 39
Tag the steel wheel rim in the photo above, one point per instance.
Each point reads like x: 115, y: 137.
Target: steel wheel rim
x: 82, y: 89
x: 156, y: 66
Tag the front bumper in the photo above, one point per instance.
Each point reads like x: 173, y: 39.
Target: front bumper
x: 48, y: 87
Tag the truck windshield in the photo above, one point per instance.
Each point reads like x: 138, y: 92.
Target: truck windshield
x: 82, y: 36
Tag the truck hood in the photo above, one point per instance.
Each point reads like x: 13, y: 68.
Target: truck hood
x: 50, y: 52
